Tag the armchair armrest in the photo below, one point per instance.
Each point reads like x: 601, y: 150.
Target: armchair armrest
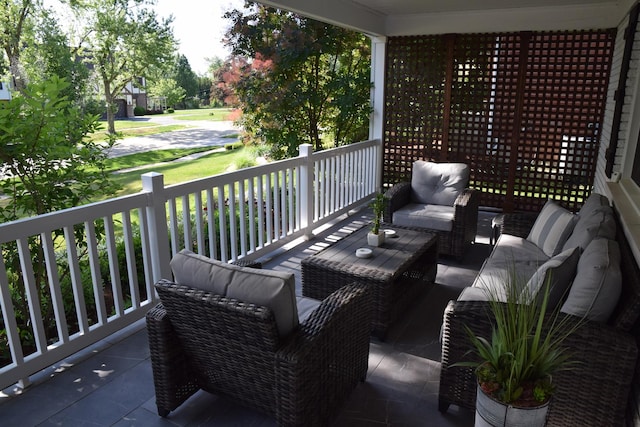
x: 174, y: 379
x: 593, y: 392
x: 397, y: 196
x: 518, y: 224
x: 325, y: 358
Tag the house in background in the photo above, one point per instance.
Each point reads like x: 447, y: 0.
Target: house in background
x: 5, y: 94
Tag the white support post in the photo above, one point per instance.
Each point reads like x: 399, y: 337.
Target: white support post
x: 153, y: 184
x: 306, y: 193
x: 376, y: 120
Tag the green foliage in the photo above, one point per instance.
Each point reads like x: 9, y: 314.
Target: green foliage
x: 306, y: 81
x: 233, y: 146
x: 377, y: 205
x: 48, y: 162
x: 139, y: 111
x: 126, y: 41
x: 168, y: 89
x: 184, y: 76
x: 526, y: 346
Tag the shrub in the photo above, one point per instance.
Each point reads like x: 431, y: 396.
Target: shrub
x: 170, y: 110
x: 233, y: 146
x: 139, y: 111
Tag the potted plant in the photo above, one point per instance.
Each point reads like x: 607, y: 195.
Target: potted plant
x: 515, y: 366
x: 376, y: 237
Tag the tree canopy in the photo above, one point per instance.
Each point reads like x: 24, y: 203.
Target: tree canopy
x: 304, y: 81
x: 124, y: 38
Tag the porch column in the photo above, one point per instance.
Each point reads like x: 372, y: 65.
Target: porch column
x: 376, y: 120
x: 306, y: 190
x: 157, y: 231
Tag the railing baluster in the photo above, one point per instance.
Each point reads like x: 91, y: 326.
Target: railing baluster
x: 199, y: 225
x: 262, y: 217
x: 242, y: 218
x: 114, y: 270
x: 130, y: 255
x: 222, y: 219
x: 251, y: 201
x: 54, y: 287
x: 211, y: 221
x: 96, y: 274
x: 76, y: 281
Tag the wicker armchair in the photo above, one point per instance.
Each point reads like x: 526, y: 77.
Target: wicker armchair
x: 199, y: 340
x: 595, y: 391
x: 453, y: 242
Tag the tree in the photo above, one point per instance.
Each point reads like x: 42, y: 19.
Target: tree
x: 184, y: 76
x: 306, y: 82
x: 124, y: 39
x: 16, y: 27
x: 168, y: 89
x: 50, y: 54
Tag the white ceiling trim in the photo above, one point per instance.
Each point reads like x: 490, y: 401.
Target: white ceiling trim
x: 337, y: 12
x: 595, y: 16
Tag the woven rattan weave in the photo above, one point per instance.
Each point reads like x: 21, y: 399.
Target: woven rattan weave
x: 396, y: 273
x: 203, y: 341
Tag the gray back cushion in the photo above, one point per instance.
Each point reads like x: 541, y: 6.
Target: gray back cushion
x: 272, y: 289
x: 598, y: 282
x: 595, y: 219
x: 438, y: 183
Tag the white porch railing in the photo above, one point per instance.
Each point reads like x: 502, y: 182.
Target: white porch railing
x: 70, y: 278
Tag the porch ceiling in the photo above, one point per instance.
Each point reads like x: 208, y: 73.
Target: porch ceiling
x: 413, y: 17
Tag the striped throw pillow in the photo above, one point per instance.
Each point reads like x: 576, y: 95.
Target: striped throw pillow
x: 552, y: 228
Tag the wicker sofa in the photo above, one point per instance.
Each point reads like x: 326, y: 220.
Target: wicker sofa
x: 241, y: 332
x: 596, y: 390
x: 437, y: 199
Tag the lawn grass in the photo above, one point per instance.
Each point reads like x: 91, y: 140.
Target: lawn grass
x: 150, y: 158
x: 178, y: 172
x: 200, y: 114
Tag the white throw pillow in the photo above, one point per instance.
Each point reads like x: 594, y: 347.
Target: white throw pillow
x: 552, y: 228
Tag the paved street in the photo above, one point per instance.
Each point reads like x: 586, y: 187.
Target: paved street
x: 201, y: 134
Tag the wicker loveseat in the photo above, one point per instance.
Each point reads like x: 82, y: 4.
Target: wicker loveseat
x: 437, y: 199
x: 595, y: 392
x: 298, y: 367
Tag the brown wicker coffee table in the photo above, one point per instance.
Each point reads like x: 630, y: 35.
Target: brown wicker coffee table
x: 397, y: 272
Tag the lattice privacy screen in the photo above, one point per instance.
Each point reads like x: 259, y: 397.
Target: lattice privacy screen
x: 524, y: 110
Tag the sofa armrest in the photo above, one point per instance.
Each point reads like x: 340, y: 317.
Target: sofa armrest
x: 326, y: 357
x: 593, y: 392
x: 173, y: 377
x: 397, y: 196
x: 518, y: 224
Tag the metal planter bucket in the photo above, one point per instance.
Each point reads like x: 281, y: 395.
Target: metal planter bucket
x: 491, y: 413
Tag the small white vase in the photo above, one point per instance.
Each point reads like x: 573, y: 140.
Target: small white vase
x: 375, y: 239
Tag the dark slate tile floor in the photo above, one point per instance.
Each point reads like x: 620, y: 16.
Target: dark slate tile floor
x: 111, y: 383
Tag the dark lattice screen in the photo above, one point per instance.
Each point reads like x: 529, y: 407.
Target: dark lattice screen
x: 522, y: 109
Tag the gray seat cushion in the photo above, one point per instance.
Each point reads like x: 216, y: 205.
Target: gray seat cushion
x: 438, y: 183
x: 434, y: 217
x: 272, y: 289
x: 513, y: 258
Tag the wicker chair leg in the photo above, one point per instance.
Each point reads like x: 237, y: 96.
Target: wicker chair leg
x: 163, y: 412
x: 443, y: 405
